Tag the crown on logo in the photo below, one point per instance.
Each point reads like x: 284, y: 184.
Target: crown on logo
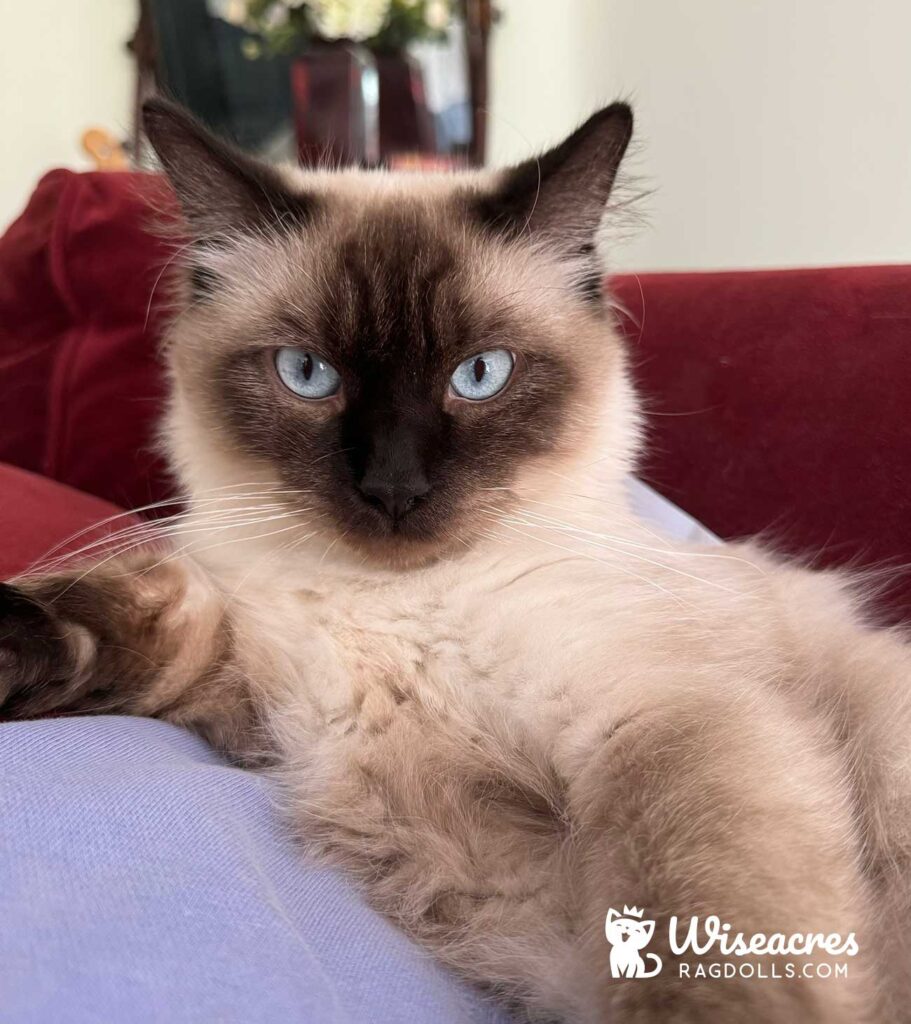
x: 632, y: 912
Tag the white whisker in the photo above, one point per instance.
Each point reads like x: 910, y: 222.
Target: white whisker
x: 667, y: 550
x: 155, y: 536
x: 593, y: 558
x: 144, y: 532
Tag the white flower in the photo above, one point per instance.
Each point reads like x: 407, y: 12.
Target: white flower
x: 276, y: 15
x: 349, y: 19
x: 437, y: 15
x: 232, y: 11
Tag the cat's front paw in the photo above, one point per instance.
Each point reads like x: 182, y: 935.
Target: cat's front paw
x: 34, y: 653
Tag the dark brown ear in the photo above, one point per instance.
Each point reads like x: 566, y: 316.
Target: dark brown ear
x: 222, y: 190
x: 563, y: 193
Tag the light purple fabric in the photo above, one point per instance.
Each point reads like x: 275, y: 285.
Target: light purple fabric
x: 655, y: 510
x: 143, y: 880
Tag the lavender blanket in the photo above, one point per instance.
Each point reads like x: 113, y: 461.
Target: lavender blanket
x: 141, y: 879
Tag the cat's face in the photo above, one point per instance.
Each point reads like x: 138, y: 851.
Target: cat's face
x: 628, y: 931
x: 402, y: 354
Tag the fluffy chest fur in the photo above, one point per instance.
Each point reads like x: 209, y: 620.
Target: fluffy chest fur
x: 562, y: 647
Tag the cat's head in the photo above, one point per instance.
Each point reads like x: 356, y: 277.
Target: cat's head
x: 398, y: 354
x: 622, y: 930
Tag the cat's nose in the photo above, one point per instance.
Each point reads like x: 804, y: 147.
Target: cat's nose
x: 395, y: 497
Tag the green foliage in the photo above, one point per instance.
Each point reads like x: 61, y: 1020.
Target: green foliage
x: 406, y: 23
x: 276, y: 27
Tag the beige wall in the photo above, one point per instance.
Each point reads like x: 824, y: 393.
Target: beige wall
x: 775, y: 132
x: 547, y: 72
x: 63, y: 69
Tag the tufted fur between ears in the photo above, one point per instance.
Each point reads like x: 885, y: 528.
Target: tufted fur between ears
x: 561, y: 194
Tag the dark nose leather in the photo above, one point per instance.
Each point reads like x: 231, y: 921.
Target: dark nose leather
x: 395, y: 497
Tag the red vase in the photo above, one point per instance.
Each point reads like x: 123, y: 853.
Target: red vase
x: 335, y: 89
x: 406, y: 125
x: 352, y: 107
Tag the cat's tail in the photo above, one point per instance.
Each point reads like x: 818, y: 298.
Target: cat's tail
x: 656, y: 969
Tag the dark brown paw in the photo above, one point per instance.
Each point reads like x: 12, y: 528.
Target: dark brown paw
x: 34, y: 654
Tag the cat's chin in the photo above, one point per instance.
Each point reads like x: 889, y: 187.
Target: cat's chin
x: 400, y: 552
x: 421, y: 537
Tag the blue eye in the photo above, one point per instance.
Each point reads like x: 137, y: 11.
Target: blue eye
x: 306, y: 374
x: 484, y: 375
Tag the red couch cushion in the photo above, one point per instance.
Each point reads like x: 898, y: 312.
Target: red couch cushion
x: 779, y: 404
x: 80, y: 383
x: 39, y: 516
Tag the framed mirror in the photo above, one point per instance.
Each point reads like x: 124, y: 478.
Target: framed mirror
x: 408, y: 90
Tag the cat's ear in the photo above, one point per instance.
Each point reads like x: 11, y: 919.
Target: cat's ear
x: 562, y: 194
x: 612, y: 916
x: 648, y: 927
x: 222, y: 191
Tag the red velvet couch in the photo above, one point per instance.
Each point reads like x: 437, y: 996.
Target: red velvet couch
x: 779, y: 401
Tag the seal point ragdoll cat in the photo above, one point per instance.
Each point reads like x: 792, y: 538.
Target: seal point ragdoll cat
x: 406, y: 581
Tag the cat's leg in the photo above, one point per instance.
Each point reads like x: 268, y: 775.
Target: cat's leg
x: 144, y: 635
x: 728, y: 806
x: 857, y: 682
x: 506, y: 866
x: 866, y: 701
x: 615, y: 964
x: 455, y: 828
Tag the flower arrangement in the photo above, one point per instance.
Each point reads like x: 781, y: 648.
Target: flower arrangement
x: 288, y: 26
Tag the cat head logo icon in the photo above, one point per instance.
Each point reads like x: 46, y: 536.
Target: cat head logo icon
x: 628, y: 934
